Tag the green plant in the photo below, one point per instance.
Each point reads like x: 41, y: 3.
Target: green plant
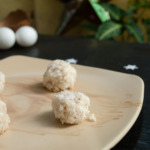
x: 117, y: 22
x: 146, y: 22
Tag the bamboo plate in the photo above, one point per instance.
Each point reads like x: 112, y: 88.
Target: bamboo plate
x: 116, y: 100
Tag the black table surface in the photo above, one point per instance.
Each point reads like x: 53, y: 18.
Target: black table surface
x: 102, y: 54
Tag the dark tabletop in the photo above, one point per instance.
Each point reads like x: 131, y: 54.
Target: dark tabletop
x: 103, y: 54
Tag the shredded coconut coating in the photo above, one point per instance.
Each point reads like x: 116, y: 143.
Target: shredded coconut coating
x: 2, y: 81
x: 3, y: 108
x: 92, y: 117
x: 70, y: 107
x: 4, y: 118
x: 59, y: 76
x: 4, y: 122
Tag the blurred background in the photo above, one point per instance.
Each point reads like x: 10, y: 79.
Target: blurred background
x: 121, y: 20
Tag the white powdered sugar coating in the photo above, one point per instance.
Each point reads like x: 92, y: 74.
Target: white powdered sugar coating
x: 70, y: 107
x: 59, y: 76
x: 2, y: 81
x: 4, y: 118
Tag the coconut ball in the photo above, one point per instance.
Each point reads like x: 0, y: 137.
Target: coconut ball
x: 2, y: 81
x: 3, y: 108
x: 4, y: 118
x: 59, y: 76
x: 4, y: 122
x: 70, y: 107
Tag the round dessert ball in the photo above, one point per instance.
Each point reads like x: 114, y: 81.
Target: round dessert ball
x: 7, y: 38
x: 4, y: 122
x: 4, y: 118
x: 3, y: 108
x: 59, y: 76
x: 26, y: 36
x: 70, y: 107
x: 2, y: 81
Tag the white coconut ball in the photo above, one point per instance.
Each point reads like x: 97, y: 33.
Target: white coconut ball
x: 3, y: 108
x: 4, y: 118
x: 59, y: 76
x: 26, y: 36
x: 2, y: 81
x: 7, y: 38
x: 70, y: 107
x: 4, y: 122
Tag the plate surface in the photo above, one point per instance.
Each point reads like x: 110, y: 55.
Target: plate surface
x: 116, y: 100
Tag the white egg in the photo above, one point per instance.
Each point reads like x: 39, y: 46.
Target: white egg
x: 7, y: 38
x: 26, y: 36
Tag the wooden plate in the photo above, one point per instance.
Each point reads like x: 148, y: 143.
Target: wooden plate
x: 116, y: 100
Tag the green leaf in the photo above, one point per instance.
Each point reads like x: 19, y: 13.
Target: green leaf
x: 135, y: 31
x: 115, y: 12
x: 142, y: 4
x: 108, y: 30
x: 130, y: 11
x: 102, y: 14
x: 132, y: 8
x: 146, y: 23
